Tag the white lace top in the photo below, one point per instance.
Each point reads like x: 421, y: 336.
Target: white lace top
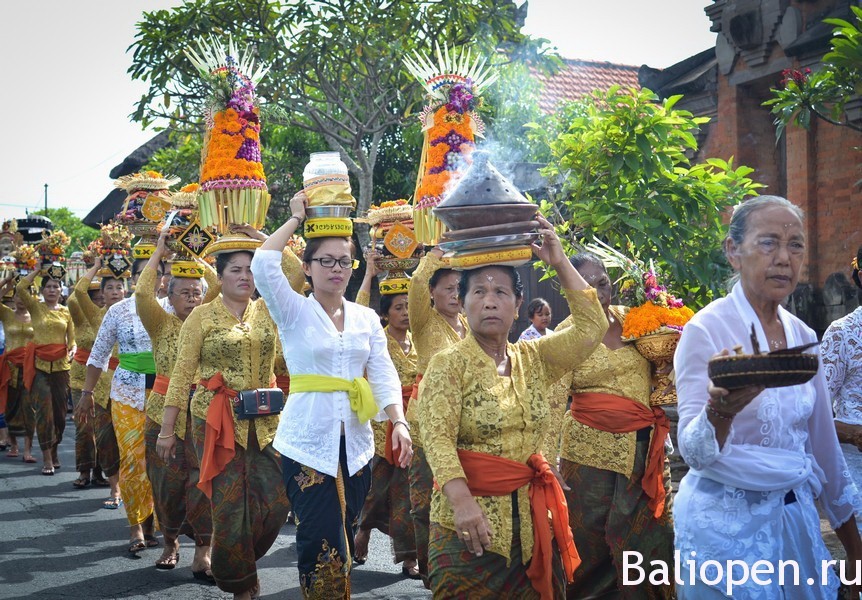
x: 731, y: 504
x: 122, y: 326
x: 309, y: 431
x: 841, y: 352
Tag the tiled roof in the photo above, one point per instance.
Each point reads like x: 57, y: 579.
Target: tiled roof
x: 578, y: 78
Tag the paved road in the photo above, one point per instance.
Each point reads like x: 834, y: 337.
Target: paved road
x: 57, y: 542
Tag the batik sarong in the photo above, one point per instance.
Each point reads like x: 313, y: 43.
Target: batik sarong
x: 249, y: 508
x: 387, y: 508
x: 49, y: 394
x: 421, y: 482
x: 134, y: 484
x: 107, y: 450
x: 327, y: 511
x: 85, y: 440
x: 457, y: 573
x: 20, y: 418
x: 609, y: 514
x: 172, y: 489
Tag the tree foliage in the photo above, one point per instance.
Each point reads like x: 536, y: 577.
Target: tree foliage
x: 65, y: 219
x: 621, y: 173
x: 824, y: 93
x: 336, y: 65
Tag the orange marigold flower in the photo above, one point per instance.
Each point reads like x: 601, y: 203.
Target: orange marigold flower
x: 650, y: 318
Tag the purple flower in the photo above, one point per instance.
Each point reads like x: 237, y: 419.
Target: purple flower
x: 461, y: 97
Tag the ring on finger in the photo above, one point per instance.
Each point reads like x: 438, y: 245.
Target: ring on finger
x: 465, y: 534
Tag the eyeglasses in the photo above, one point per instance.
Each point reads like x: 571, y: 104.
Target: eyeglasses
x: 327, y: 262
x: 771, y: 246
x: 186, y: 295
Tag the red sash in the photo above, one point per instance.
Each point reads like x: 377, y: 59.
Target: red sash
x: 160, y: 385
x: 283, y: 382
x: 219, y: 440
x: 82, y: 355
x: 489, y: 475
x: 16, y: 357
x: 616, y: 414
x: 48, y: 352
x: 391, y: 456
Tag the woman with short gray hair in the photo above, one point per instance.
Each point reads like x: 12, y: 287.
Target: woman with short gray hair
x: 759, y: 457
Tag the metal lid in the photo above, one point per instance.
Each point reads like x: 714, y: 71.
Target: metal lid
x: 483, y: 185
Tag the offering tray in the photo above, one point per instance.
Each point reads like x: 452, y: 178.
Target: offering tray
x: 493, y: 242
x: 780, y: 368
x: 490, y: 230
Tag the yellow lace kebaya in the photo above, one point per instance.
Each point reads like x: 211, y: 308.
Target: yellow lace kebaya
x: 91, y: 315
x: 465, y: 404
x: 18, y: 334
x: 431, y: 332
x: 623, y: 372
x: 164, y: 330
x: 213, y: 341
x: 54, y: 327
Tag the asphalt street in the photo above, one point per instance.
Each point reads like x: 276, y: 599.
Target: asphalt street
x: 58, y: 542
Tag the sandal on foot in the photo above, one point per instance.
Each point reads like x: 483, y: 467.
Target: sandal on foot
x: 12, y: 454
x: 411, y: 572
x: 152, y: 541
x: 81, y: 482
x: 101, y: 482
x: 168, y: 562
x: 136, y: 546
x: 112, y: 503
x: 205, y: 575
x: 46, y: 470
x: 29, y: 459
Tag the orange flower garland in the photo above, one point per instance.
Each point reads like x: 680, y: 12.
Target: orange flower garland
x: 226, y: 138
x: 649, y: 318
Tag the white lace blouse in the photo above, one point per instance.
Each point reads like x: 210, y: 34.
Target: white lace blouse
x: 731, y: 504
x: 123, y: 327
x: 841, y: 352
x: 309, y: 430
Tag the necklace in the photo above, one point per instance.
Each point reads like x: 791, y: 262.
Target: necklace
x: 775, y: 344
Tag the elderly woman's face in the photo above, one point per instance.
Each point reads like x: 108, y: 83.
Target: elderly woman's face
x: 490, y: 303
x: 770, y: 257
x: 598, y: 279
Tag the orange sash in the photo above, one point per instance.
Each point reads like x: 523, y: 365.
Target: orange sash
x: 415, y: 393
x: 16, y: 357
x: 219, y: 440
x: 489, y: 475
x: 616, y: 414
x: 391, y: 456
x: 48, y: 352
x: 160, y: 385
x: 82, y: 355
x: 283, y: 382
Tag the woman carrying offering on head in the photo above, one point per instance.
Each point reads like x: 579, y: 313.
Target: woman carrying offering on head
x: 387, y: 507
x: 172, y: 465
x: 228, y: 346
x: 612, y: 458
x: 331, y: 346
x: 16, y: 397
x: 46, y: 371
x: 484, y: 409
x: 436, y: 323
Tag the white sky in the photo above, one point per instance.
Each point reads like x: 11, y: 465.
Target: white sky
x: 67, y: 97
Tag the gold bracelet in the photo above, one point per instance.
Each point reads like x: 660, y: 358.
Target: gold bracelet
x: 165, y: 437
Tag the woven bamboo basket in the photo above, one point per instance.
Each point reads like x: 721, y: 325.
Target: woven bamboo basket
x: 659, y: 348
x: 786, y: 368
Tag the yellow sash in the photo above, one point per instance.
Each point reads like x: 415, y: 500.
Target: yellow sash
x: 361, y: 398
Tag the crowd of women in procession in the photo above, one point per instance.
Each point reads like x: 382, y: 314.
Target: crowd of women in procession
x: 498, y: 469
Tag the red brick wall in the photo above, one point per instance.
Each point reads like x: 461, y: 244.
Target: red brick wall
x: 816, y: 169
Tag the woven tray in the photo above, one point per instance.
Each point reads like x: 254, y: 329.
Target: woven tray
x: 780, y: 368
